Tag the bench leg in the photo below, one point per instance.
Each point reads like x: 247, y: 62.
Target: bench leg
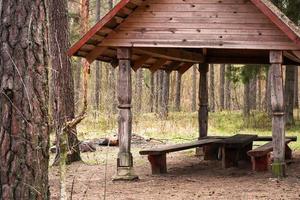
x: 243, y: 152
x: 211, y: 152
x: 229, y: 157
x: 288, y: 152
x: 158, y: 163
x: 260, y: 163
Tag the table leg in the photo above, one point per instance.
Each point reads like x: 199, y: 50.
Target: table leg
x: 211, y: 152
x: 158, y: 163
x: 229, y: 157
x: 243, y: 152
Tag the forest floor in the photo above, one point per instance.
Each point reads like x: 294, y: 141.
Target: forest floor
x: 189, y: 177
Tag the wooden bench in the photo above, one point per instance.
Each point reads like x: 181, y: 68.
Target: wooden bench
x: 260, y: 157
x: 157, y: 156
x: 235, y: 148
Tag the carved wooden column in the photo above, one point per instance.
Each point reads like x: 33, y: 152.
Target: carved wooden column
x: 278, y: 123
x: 125, y: 160
x: 203, y: 101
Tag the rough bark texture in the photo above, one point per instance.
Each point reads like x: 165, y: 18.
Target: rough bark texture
x: 246, y: 108
x: 253, y: 91
x: 178, y: 92
x: 227, y: 89
x: 221, y: 89
x: 296, y: 97
x: 267, y: 102
x: 212, y: 88
x: 63, y: 88
x: 203, y: 101
x: 152, y: 93
x: 194, y: 88
x: 139, y: 89
x: 24, y: 129
x: 289, y: 94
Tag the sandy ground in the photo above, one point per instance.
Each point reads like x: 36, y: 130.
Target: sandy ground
x: 188, y: 177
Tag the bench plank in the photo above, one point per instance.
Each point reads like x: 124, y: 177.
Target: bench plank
x: 178, y: 147
x: 264, y: 149
x: 237, y: 141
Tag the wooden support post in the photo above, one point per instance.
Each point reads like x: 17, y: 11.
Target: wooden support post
x: 203, y: 101
x: 278, y: 124
x: 125, y: 160
x: 158, y: 163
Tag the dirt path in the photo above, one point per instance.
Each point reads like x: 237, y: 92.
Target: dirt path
x: 188, y: 178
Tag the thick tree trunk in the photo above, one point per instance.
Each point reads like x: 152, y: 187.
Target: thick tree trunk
x: 228, y: 89
x: 194, y: 88
x: 160, y: 91
x: 178, y: 92
x: 156, y: 91
x: 289, y: 94
x: 203, y: 100
x: 24, y: 129
x: 212, y: 88
x: 63, y: 90
x: 221, y: 89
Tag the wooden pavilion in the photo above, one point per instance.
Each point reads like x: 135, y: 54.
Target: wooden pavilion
x: 176, y: 34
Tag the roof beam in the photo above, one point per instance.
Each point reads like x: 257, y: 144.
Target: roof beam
x: 185, y: 67
x: 139, y: 63
x: 172, y: 54
x: 173, y: 66
x: 158, y: 64
x: 95, y: 53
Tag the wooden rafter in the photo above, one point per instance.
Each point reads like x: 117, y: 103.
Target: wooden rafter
x: 139, y: 63
x: 185, y: 67
x: 94, y: 54
x: 173, y: 66
x: 172, y: 54
x: 158, y: 64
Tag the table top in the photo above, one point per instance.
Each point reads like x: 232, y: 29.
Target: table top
x: 237, y: 141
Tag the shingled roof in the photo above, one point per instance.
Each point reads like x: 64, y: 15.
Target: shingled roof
x: 92, y: 45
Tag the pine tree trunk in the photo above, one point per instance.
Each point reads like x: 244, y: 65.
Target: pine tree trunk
x: 228, y: 89
x: 24, y: 129
x: 212, y: 88
x: 98, y: 66
x: 246, y: 110
x: 152, y: 92
x: 268, y: 106
x: 296, y: 95
x: 160, y: 91
x: 139, y: 89
x: 178, y: 92
x: 165, y: 95
x: 156, y: 91
x: 259, y: 90
x: 221, y: 89
x: 253, y: 91
x: 194, y: 89
x: 63, y: 90
x: 289, y: 94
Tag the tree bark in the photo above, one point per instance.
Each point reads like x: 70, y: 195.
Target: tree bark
x: 221, y: 89
x: 228, y: 89
x: 165, y: 95
x: 289, y: 94
x: 63, y: 90
x: 212, y: 88
x: 24, y: 129
x: 152, y: 92
x: 253, y: 91
x: 178, y: 92
x: 203, y: 101
x: 194, y: 88
x: 139, y: 89
x: 267, y: 103
x: 296, y: 96
x: 246, y: 108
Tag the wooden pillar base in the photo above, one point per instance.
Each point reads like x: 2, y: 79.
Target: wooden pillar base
x: 125, y: 174
x: 278, y: 169
x: 158, y: 163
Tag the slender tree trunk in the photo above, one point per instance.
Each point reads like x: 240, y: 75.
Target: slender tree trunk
x: 221, y: 89
x: 156, y: 91
x: 246, y: 108
x: 63, y: 90
x: 228, y: 89
x: 112, y: 89
x: 152, y: 93
x: 194, y: 88
x: 268, y: 106
x: 259, y: 90
x: 253, y: 91
x: 24, y: 100
x: 289, y: 94
x: 212, y: 88
x: 165, y: 95
x: 139, y: 89
x: 296, y: 96
x: 160, y: 91
x: 178, y: 92
x: 98, y: 66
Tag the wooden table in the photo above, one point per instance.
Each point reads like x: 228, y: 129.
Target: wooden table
x: 235, y: 148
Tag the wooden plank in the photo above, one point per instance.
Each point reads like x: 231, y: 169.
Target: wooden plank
x: 177, y: 147
x: 139, y: 63
x: 157, y: 65
x: 172, y: 54
x: 95, y: 53
x: 185, y: 67
x: 238, y: 141
x: 264, y: 149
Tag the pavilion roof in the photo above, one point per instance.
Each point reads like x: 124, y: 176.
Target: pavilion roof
x: 91, y: 47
